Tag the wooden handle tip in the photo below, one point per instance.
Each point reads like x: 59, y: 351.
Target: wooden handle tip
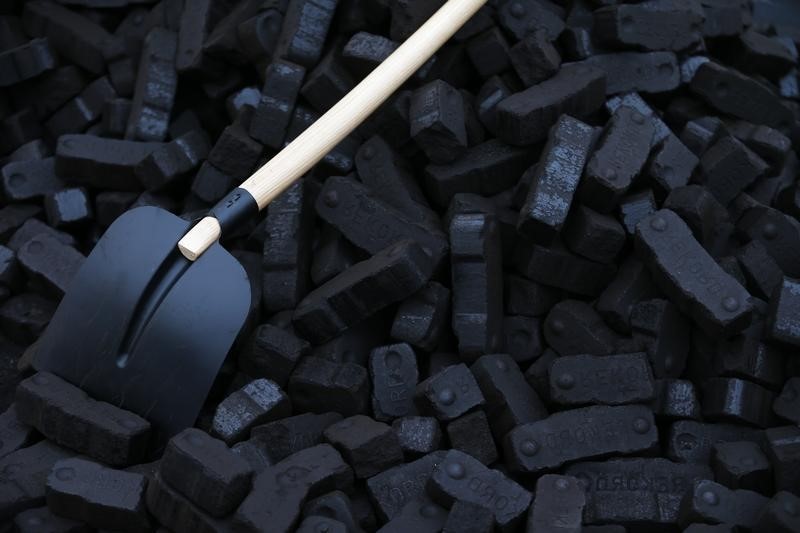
x: 200, y: 238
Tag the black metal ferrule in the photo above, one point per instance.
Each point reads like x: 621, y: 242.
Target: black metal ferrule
x: 234, y: 209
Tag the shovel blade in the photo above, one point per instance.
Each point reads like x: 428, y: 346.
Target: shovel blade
x: 143, y: 328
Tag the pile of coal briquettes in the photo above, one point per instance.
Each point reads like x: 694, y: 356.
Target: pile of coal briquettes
x: 551, y: 285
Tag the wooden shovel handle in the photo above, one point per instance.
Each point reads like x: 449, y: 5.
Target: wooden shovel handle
x: 329, y: 130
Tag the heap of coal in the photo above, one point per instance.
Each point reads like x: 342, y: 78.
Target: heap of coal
x: 552, y: 285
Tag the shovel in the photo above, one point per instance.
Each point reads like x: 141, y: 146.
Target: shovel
x: 151, y: 315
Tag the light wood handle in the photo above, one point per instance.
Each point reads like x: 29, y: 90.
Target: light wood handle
x: 329, y: 130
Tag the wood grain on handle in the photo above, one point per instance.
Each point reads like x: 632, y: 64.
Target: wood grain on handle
x: 329, y: 130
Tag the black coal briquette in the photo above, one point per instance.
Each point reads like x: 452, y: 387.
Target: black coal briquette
x: 319, y: 385
x: 645, y: 491
x: 333, y: 505
x: 388, y: 175
x: 258, y: 402
x: 602, y: 379
x: 171, y: 162
x: 287, y: 248
x: 30, y: 180
x: 581, y: 433
x: 25, y: 479
x: 272, y: 352
x: 742, y: 465
x: 454, y: 478
x: 206, y: 471
x: 418, y: 435
x: 466, y: 517
x: 708, y: 501
x: 449, y: 393
x: 76, y: 37
x: 49, y: 263
x: 510, y: 401
x: 107, y: 433
x: 275, y: 503
x: 524, y: 118
x: 689, y: 441
x: 712, y: 298
x: 558, y: 503
x: 476, y: 270
x: 304, y: 30
x: 151, y: 110
x: 42, y: 519
x: 487, y: 168
x: 26, y: 61
x: 420, y: 515
x: 292, y: 434
x: 391, y: 275
x: 83, y: 110
x: 652, y: 25
x: 555, y: 179
x: 371, y: 223
x: 101, y: 496
x: 422, y: 319
x: 534, y: 58
x: 471, y: 434
x: 392, y: 489
x: 369, y: 447
x: 282, y: 81
x: 618, y: 160
x: 573, y: 327
x: 176, y: 512
x: 394, y: 374
x: 783, y: 450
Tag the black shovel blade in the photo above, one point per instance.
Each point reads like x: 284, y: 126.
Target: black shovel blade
x: 143, y: 328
